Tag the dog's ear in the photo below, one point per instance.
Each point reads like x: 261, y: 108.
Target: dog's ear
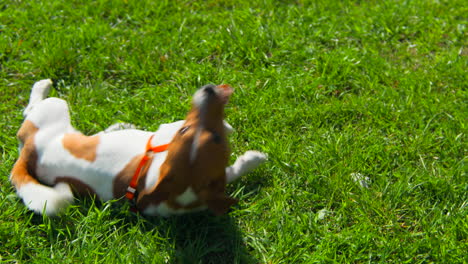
x: 220, y: 204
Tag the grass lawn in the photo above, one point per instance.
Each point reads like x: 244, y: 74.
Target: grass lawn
x: 360, y: 105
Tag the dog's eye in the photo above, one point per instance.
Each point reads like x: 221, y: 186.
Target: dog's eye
x: 213, y: 184
x: 216, y: 138
x: 183, y: 130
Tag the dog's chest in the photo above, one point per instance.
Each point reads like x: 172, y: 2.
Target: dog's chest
x: 113, y: 151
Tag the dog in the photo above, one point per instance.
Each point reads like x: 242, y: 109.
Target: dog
x: 180, y: 168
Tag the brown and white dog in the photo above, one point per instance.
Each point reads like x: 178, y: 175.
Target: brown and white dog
x: 182, y: 167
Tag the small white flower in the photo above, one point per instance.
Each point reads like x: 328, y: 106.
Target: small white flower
x: 363, y: 181
x: 322, y: 214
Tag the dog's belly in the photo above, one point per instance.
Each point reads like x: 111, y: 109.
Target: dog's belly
x: 113, y: 152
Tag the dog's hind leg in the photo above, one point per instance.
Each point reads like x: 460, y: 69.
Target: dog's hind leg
x: 39, y: 91
x: 50, y: 115
x: 245, y: 164
x: 36, y: 196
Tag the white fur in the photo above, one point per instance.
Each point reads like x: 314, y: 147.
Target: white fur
x: 39, y: 92
x: 187, y: 197
x: 245, y: 164
x: 200, y: 98
x: 51, y: 199
x: 228, y: 128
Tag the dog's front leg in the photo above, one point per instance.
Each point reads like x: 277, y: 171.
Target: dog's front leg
x: 245, y: 164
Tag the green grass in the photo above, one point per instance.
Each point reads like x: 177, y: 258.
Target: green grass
x: 327, y: 88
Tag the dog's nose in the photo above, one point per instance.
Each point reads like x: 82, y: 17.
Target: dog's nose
x: 209, y: 90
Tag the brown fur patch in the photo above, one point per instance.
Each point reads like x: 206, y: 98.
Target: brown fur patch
x: 24, y: 170
x: 78, y: 187
x: 81, y: 146
x: 206, y: 176
x: 27, y: 129
x: 20, y: 174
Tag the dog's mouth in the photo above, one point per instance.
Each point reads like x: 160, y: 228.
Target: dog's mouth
x: 224, y: 92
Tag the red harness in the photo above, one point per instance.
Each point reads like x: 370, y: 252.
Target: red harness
x: 132, y: 193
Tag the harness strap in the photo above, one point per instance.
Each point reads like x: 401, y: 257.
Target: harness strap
x: 132, y: 193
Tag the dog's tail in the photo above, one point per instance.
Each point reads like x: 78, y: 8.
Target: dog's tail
x: 36, y: 196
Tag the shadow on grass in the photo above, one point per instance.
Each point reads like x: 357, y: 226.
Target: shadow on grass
x: 205, y: 238
x: 191, y: 238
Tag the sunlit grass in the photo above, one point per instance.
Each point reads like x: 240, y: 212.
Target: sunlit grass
x: 329, y: 89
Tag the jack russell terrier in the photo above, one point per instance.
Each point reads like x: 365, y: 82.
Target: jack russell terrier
x: 182, y: 167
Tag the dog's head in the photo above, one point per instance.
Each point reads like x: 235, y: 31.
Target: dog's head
x: 194, y: 172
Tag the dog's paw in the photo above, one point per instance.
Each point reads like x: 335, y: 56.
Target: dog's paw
x: 252, y: 159
x: 255, y: 156
x: 42, y: 87
x: 44, y: 199
x: 39, y: 91
x: 245, y: 164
